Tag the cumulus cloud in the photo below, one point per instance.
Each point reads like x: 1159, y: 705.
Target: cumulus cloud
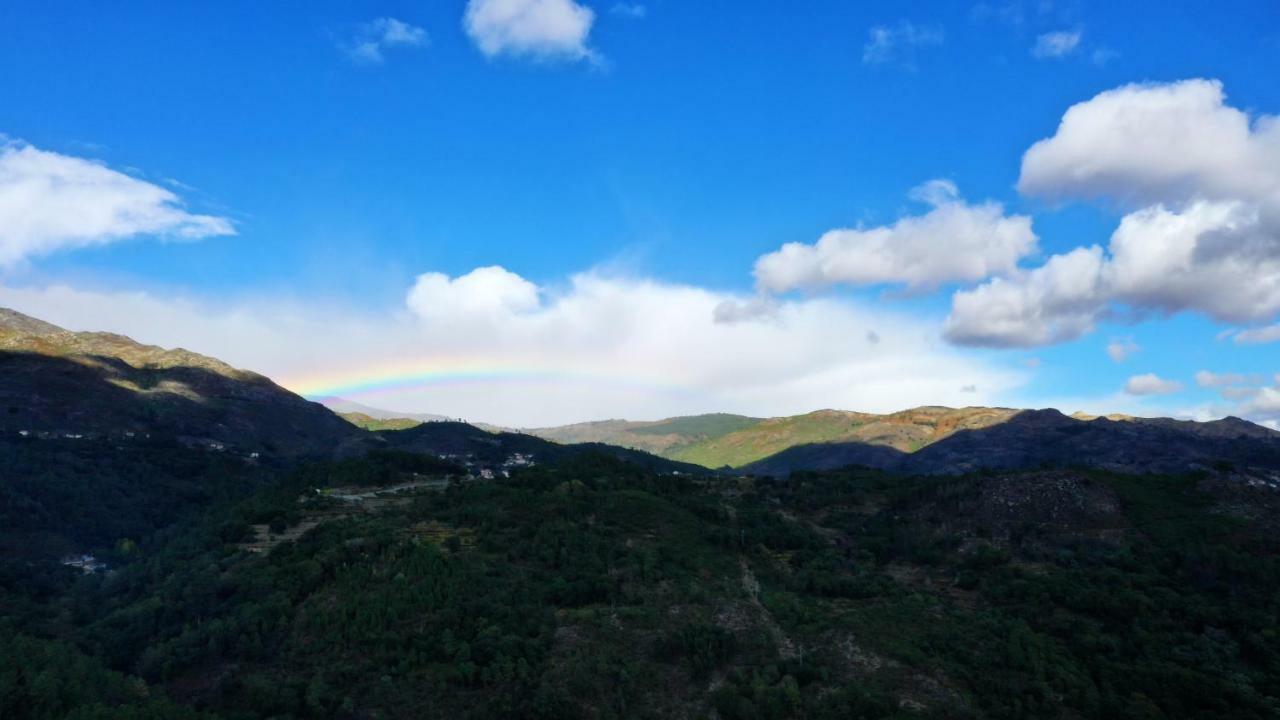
x: 1057, y: 44
x: 1053, y: 303
x: 1151, y: 384
x: 1121, y: 349
x: 532, y: 28
x: 1209, y: 242
x: 484, y: 293
x: 374, y: 38
x: 954, y: 241
x: 51, y: 202
x: 898, y: 43
x: 1156, y: 143
x: 594, y: 346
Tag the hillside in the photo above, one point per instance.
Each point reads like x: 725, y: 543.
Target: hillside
x: 1047, y: 438
x: 489, y: 448
x: 361, y: 420
x: 733, y: 440
x: 669, y: 437
x: 91, y: 385
x: 589, y: 588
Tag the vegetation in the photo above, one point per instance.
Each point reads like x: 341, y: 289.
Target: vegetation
x: 368, y: 422
x: 591, y: 587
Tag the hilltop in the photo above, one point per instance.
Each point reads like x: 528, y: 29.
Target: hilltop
x: 54, y: 382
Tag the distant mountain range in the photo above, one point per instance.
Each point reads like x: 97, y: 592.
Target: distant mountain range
x: 54, y: 382
x: 59, y: 384
x: 736, y: 441
x: 359, y: 412
x: 936, y: 440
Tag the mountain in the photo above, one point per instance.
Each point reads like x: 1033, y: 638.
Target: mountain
x: 938, y: 440
x: 354, y: 410
x: 104, y: 440
x: 490, y: 448
x: 734, y: 440
x: 54, y: 382
x: 1047, y: 438
x: 670, y: 437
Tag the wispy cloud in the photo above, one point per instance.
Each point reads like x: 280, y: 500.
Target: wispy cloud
x: 1121, y: 349
x: 1151, y: 384
x: 371, y: 40
x: 1057, y: 44
x: 634, y: 11
x: 1258, y: 335
x: 898, y: 43
x: 1103, y: 56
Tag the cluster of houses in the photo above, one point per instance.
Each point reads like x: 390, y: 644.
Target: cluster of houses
x: 50, y: 435
x: 212, y: 445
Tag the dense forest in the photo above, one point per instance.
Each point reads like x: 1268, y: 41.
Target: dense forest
x: 393, y: 586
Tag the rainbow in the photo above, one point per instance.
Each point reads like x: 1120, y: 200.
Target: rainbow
x: 407, y: 375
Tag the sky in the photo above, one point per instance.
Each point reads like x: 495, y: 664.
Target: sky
x: 533, y: 212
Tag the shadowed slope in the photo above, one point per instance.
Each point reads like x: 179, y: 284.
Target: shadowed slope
x: 56, y: 382
x: 1047, y: 438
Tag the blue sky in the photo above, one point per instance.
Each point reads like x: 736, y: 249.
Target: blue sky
x: 650, y: 143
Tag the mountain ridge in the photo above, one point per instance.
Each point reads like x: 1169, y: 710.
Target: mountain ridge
x: 94, y: 384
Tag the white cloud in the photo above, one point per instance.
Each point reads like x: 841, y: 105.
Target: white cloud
x: 1209, y: 242
x: 484, y: 293
x: 1058, y: 44
x: 500, y: 349
x: 51, y: 202
x: 887, y: 44
x: 533, y: 28
x: 1151, y: 384
x: 1050, y: 304
x: 1156, y: 143
x: 1121, y: 349
x: 375, y: 37
x: 954, y: 241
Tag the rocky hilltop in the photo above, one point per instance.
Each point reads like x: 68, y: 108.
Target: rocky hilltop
x: 54, y: 382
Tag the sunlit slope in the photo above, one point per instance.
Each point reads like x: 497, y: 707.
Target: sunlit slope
x: 718, y: 440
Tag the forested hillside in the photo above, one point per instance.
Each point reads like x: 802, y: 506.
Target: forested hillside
x: 391, y: 587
